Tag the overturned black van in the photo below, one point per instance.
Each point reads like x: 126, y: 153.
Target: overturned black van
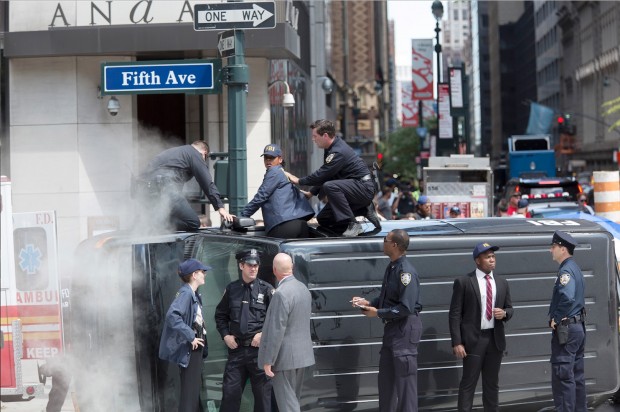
x: 126, y: 283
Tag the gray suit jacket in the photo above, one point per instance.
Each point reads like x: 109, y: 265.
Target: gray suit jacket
x: 286, y: 342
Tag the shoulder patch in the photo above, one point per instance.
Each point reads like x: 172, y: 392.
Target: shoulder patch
x: 405, y: 278
x: 329, y: 158
x: 564, y: 279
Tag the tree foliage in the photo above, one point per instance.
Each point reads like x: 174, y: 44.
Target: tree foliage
x: 400, y: 151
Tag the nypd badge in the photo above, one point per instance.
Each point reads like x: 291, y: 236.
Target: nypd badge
x: 564, y: 279
x: 329, y: 158
x: 405, y: 278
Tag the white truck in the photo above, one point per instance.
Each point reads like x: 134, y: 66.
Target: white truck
x: 459, y: 180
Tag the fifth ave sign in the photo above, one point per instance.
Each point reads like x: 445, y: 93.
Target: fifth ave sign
x: 226, y: 16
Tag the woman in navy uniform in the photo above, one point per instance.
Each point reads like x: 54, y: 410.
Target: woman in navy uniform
x: 285, y: 209
x: 239, y: 319
x: 567, y: 319
x: 398, y: 306
x: 344, y: 179
x: 183, y: 340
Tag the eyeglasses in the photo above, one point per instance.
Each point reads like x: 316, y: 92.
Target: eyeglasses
x: 582, y: 200
x: 386, y: 240
x: 515, y: 196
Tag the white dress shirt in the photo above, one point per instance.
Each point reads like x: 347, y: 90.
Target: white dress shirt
x: 482, y: 283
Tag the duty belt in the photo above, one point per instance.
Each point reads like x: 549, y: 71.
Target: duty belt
x: 573, y: 319
x: 244, y: 342
x: 366, y: 178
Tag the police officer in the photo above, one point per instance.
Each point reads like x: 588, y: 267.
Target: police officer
x: 567, y: 319
x: 168, y: 172
x: 239, y: 319
x: 398, y: 306
x: 345, y: 181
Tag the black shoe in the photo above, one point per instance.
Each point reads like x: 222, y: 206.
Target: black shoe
x: 371, y: 215
x: 353, y: 230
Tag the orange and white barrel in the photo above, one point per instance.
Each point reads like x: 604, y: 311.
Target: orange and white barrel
x: 607, y: 195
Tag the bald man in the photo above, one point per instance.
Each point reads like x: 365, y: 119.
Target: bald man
x: 286, y: 345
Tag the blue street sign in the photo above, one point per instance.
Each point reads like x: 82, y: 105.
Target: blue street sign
x: 165, y: 76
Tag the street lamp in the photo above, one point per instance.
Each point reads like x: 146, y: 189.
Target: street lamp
x: 437, y: 9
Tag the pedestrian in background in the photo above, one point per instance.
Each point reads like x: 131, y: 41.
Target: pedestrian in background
x: 383, y: 203
x: 480, y: 306
x: 398, y: 306
x: 567, y: 320
x: 286, y: 210
x: 239, y: 318
x: 455, y: 212
x: 345, y: 181
x: 184, y: 337
x: 513, y: 203
x: 165, y: 177
x: 582, y: 202
x: 423, y: 209
x: 502, y: 208
x: 404, y: 203
x: 286, y: 345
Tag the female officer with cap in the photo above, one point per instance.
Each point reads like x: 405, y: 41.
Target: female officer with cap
x: 183, y: 340
x: 285, y: 210
x: 567, y: 319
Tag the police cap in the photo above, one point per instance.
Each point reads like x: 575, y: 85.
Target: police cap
x: 483, y: 247
x: 190, y: 266
x: 272, y: 150
x: 564, y: 239
x: 455, y: 209
x: 249, y: 256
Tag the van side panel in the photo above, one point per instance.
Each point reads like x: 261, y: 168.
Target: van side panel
x: 347, y: 343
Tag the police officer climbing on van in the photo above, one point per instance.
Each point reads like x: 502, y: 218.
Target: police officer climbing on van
x: 567, y: 319
x: 239, y: 319
x: 164, y: 179
x: 398, y: 306
x: 344, y: 180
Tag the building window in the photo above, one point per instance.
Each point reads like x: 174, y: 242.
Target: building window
x: 456, y: 15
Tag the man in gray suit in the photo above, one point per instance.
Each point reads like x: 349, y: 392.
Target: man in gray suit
x: 286, y: 345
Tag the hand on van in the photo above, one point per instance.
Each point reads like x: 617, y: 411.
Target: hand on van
x: 459, y: 351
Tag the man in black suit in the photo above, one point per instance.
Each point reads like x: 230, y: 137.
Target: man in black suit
x: 480, y: 305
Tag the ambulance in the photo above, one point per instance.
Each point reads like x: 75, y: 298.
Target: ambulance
x: 30, y: 311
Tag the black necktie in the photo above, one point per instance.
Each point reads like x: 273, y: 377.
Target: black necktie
x: 244, y: 314
x: 384, y: 287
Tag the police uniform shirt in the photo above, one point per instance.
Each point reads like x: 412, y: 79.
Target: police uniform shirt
x: 400, y: 291
x: 568, y: 293
x: 227, y: 311
x: 182, y: 163
x: 341, y: 162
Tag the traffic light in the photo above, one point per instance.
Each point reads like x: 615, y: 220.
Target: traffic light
x: 565, y: 125
x: 380, y: 159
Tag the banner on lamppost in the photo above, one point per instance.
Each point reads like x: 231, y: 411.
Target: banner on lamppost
x: 445, y: 120
x: 456, y: 88
x: 422, y: 69
x: 411, y: 108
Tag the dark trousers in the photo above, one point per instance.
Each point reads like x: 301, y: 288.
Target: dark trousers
x: 191, y: 381
x: 485, y: 358
x: 344, y: 197
x: 398, y: 366
x: 567, y: 368
x: 182, y: 216
x: 242, y: 364
x: 293, y: 229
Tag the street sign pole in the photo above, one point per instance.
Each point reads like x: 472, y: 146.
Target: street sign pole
x: 236, y: 76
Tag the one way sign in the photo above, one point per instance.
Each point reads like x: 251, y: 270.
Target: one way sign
x: 226, y: 16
